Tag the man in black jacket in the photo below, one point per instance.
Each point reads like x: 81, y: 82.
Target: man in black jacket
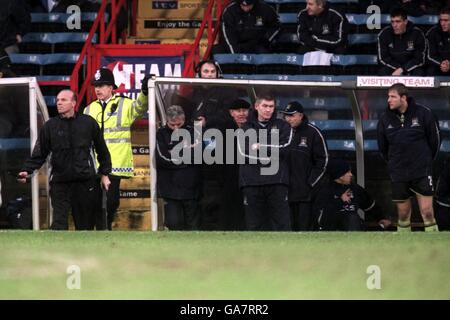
x: 232, y: 215
x: 338, y: 203
x: 321, y: 28
x: 308, y: 160
x: 248, y: 26
x: 264, y: 178
x: 178, y: 177
x: 69, y: 137
x: 409, y: 140
x: 401, y: 47
x: 439, y: 45
x: 15, y: 22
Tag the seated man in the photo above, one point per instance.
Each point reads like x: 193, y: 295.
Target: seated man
x: 401, y: 47
x: 439, y: 45
x: 248, y: 26
x: 321, y: 28
x: 338, y: 203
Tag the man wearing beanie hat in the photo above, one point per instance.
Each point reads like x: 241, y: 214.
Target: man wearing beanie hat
x: 308, y: 160
x: 248, y: 26
x: 232, y: 214
x: 115, y: 114
x: 337, y: 205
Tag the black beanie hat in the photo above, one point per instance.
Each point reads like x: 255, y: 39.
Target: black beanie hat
x: 239, y: 104
x: 337, y: 168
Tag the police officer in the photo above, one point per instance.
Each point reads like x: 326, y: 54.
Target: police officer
x: 321, y: 28
x: 115, y: 114
x: 439, y: 45
x: 178, y: 178
x: 401, y: 47
x: 248, y: 26
x: 338, y: 203
x: 409, y: 140
x: 264, y: 177
x: 308, y: 160
x: 69, y: 138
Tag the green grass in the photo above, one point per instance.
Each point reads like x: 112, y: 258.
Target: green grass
x: 223, y: 265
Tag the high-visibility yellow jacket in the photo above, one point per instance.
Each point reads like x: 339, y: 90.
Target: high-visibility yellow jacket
x: 118, y: 116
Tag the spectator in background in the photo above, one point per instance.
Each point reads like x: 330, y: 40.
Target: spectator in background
x: 210, y: 105
x: 266, y: 193
x: 248, y: 26
x: 439, y: 45
x: 232, y: 215
x: 401, y: 47
x: 178, y: 182
x: 409, y: 140
x: 321, y: 28
x: 70, y: 138
x: 338, y: 203
x: 15, y: 22
x: 308, y: 160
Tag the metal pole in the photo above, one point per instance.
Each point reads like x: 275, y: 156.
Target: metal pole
x: 33, y: 138
x: 152, y: 145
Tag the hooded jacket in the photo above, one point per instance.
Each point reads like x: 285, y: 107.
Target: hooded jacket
x: 409, y: 142
x: 326, y: 31
x: 438, y: 45
x: 258, y: 26
x: 308, y: 159
x: 251, y: 173
x: 406, y: 51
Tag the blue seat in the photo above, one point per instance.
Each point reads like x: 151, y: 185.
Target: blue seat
x: 50, y: 101
x: 14, y: 143
x: 349, y: 145
x: 44, y: 59
x: 362, y: 38
x: 62, y: 17
x: 58, y: 37
x: 318, y: 78
x: 53, y: 78
x: 354, y: 59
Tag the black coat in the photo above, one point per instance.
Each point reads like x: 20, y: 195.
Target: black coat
x: 409, y: 147
x: 176, y: 180
x: 438, y: 45
x: 329, y: 207
x: 250, y: 173
x: 70, y: 142
x: 241, y: 29
x: 327, y: 31
x: 406, y: 51
x: 308, y: 160
x: 15, y: 19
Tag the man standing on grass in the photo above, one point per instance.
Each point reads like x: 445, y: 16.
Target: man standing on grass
x: 69, y: 138
x: 409, y: 140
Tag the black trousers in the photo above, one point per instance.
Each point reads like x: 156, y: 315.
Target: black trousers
x: 266, y: 208
x: 181, y: 214
x: 78, y: 197
x: 211, y: 204
x: 386, y: 71
x: 336, y: 221
x: 112, y: 204
x: 443, y: 217
x: 301, y: 216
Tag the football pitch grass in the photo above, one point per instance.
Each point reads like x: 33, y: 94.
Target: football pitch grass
x: 224, y: 265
